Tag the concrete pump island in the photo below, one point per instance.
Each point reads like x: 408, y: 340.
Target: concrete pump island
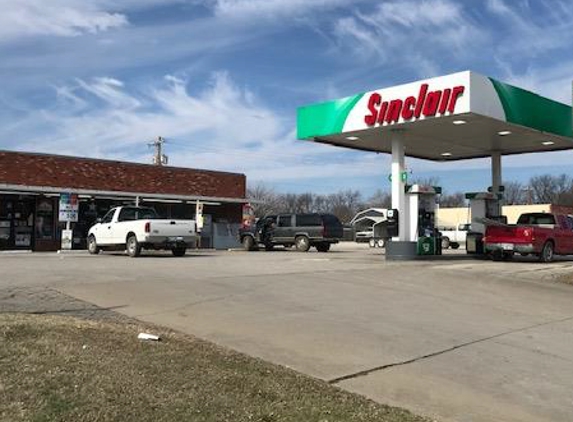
x: 460, y: 116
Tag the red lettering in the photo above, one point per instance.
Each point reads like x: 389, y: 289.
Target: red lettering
x: 373, y: 102
x: 408, y: 110
x: 382, y: 114
x: 420, y: 102
x: 456, y: 93
x: 432, y: 103
x: 394, y: 110
x: 427, y: 104
x: 445, y: 100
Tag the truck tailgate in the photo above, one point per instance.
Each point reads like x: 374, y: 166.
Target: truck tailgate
x: 508, y: 234
x: 170, y: 228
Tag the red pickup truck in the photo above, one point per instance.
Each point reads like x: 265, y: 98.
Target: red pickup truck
x: 542, y: 234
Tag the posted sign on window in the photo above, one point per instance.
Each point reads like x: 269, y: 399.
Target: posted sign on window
x: 69, y: 208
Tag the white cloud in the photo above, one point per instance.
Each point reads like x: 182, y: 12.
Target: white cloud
x: 222, y: 127
x: 274, y: 8
x: 529, y: 32
x: 110, y: 91
x: 415, y: 34
x: 55, y: 17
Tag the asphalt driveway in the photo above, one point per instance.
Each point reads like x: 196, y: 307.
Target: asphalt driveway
x: 456, y: 339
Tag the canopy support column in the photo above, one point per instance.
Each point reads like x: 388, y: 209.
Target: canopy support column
x: 399, y: 185
x: 496, y: 178
x: 495, y: 171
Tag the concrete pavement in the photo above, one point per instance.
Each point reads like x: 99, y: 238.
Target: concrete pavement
x: 459, y: 340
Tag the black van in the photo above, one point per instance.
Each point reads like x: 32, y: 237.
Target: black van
x: 301, y: 230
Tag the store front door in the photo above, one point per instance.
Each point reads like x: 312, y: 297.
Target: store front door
x: 45, y: 225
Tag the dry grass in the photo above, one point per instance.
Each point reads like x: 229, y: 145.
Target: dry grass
x: 56, y: 368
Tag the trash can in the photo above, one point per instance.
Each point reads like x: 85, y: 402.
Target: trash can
x: 427, y: 245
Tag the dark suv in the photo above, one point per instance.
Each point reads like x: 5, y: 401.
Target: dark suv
x: 300, y: 230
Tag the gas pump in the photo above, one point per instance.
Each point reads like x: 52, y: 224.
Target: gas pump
x: 422, y: 228
x: 482, y: 205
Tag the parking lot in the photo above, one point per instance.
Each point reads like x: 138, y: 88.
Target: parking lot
x: 457, y: 339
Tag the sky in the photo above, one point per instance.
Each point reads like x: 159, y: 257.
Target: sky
x: 221, y: 80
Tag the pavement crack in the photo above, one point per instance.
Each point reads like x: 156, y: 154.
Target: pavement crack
x: 441, y: 352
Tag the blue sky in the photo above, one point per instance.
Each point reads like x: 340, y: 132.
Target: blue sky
x: 221, y: 79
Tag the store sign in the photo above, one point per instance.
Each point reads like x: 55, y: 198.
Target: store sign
x: 199, y: 221
x: 248, y: 215
x: 69, y: 208
x: 427, y: 103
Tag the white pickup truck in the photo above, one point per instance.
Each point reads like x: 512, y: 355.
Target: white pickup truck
x: 136, y: 228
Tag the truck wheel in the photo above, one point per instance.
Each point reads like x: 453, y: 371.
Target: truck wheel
x: 381, y: 243
x: 133, y: 246
x: 248, y: 243
x: 455, y: 245
x: 302, y: 243
x: 323, y: 247
x: 372, y: 243
x: 445, y: 242
x: 547, y: 253
x: 178, y: 251
x: 93, y: 248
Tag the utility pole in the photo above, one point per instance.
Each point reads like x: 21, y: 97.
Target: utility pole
x: 159, y: 159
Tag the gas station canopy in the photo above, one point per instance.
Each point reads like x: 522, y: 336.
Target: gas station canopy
x: 459, y: 116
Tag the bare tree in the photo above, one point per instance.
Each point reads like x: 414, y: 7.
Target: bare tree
x: 426, y: 181
x: 305, y: 202
x: 516, y: 193
x: 454, y: 200
x: 380, y: 199
x: 547, y: 189
x: 345, y: 204
x: 287, y: 202
x: 264, y: 200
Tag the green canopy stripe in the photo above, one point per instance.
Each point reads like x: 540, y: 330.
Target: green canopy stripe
x: 324, y: 118
x: 528, y: 109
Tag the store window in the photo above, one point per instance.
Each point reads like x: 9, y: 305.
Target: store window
x: 16, y: 221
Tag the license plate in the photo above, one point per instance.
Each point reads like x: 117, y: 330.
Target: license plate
x: 507, y: 246
x: 175, y: 239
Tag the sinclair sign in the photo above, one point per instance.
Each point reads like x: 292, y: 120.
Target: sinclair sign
x: 426, y: 103
x: 450, y: 95
x: 430, y: 98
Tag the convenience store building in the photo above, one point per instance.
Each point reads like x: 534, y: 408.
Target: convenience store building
x: 33, y: 185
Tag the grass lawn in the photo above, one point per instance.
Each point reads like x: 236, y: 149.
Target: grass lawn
x: 56, y: 368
